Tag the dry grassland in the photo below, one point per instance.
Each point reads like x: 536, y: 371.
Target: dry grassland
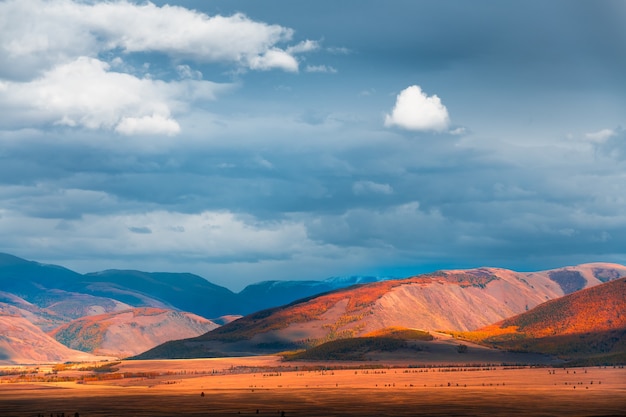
x: 264, y: 385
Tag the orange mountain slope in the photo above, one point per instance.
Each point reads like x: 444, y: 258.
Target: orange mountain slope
x: 585, y: 323
x: 129, y: 332
x: 447, y: 300
x: 22, y: 342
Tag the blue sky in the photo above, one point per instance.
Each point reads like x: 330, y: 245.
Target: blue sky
x: 254, y: 140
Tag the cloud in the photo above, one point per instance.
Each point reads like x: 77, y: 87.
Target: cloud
x: 610, y: 142
x: 38, y: 34
x: 321, y: 68
x: 304, y: 46
x: 148, y: 125
x: 414, y: 110
x: 86, y: 93
x: 368, y: 187
x: 458, y: 131
x: 73, y: 63
x: 218, y: 235
x: 274, y: 58
x: 601, y: 135
x: 140, y: 230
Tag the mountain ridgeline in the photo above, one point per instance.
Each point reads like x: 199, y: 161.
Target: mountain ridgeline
x: 446, y: 300
x: 121, y: 313
x: 114, y: 312
x: 51, y: 286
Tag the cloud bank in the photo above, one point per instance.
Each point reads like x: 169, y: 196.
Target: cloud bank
x: 73, y: 64
x: 282, y: 167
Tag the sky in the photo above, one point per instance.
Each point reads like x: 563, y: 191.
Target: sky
x: 256, y: 140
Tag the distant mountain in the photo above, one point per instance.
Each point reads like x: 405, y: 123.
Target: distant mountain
x: 52, y: 297
x: 587, y: 324
x: 66, y: 295
x: 129, y: 332
x: 27, y: 279
x: 446, y: 300
x: 266, y: 294
x: 21, y: 342
x: 185, y: 292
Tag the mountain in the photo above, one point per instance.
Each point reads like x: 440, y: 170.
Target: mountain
x: 448, y: 300
x: 266, y: 294
x: 187, y: 292
x: 64, y: 295
x: 28, y: 279
x: 129, y: 332
x: 51, y: 296
x: 587, y: 324
x: 21, y: 342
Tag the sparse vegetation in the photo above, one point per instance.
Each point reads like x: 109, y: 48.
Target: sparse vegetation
x: 402, y: 333
x: 356, y: 348
x: 353, y: 349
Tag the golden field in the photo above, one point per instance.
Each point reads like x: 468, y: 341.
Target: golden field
x: 267, y: 386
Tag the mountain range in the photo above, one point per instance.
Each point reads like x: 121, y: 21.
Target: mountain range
x: 89, y: 311
x: 445, y: 300
x: 166, y: 315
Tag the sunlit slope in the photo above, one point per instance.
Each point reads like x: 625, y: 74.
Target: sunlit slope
x: 129, y: 332
x: 448, y: 300
x: 590, y: 322
x: 22, y: 342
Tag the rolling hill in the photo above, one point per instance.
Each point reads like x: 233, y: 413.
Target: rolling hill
x: 448, y: 300
x: 129, y: 332
x: 589, y: 324
x: 21, y: 342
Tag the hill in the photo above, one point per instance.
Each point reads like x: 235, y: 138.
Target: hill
x: 449, y: 300
x: 390, y: 339
x: 588, y: 325
x: 21, y: 342
x: 130, y: 332
x: 413, y: 347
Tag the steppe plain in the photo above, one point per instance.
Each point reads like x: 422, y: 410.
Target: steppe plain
x: 268, y: 386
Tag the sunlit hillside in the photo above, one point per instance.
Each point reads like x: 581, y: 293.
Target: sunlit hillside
x: 129, y: 332
x: 446, y: 300
x: 585, y: 324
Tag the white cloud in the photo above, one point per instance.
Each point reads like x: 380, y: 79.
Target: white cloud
x: 148, y: 125
x: 304, y: 46
x: 274, y: 58
x: 86, y: 93
x: 321, y: 68
x: 220, y: 235
x: 38, y: 34
x: 370, y: 187
x: 414, y: 110
x: 65, y: 62
x: 601, y: 135
x: 185, y: 72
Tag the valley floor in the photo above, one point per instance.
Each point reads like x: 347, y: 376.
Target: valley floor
x: 265, y: 386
